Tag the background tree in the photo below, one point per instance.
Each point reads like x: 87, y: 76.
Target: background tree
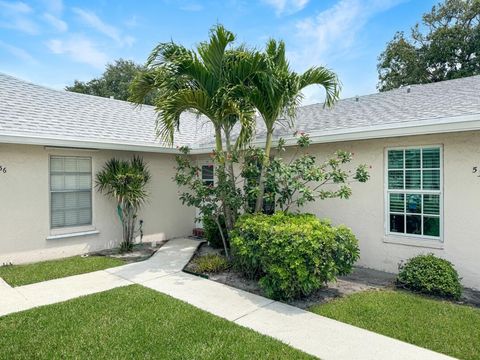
x: 446, y: 45
x: 125, y: 181
x: 115, y: 81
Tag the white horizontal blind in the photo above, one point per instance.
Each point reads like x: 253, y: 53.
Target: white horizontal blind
x: 70, y: 191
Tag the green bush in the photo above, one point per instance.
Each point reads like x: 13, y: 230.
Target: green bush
x: 292, y: 255
x: 211, y: 232
x: 210, y: 263
x: 430, y: 275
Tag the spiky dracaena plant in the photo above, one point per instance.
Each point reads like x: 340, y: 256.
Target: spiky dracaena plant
x: 125, y: 181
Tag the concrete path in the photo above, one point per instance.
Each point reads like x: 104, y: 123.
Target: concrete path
x: 311, y: 333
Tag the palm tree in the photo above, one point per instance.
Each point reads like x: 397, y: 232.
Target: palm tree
x: 204, y: 81
x: 199, y: 81
x: 125, y: 181
x: 277, y: 92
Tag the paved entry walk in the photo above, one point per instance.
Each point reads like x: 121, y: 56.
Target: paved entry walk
x: 311, y: 333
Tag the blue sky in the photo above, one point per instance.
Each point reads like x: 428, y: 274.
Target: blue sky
x: 53, y: 42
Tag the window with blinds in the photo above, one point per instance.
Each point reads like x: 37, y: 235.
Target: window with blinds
x: 70, y: 191
x: 414, y: 192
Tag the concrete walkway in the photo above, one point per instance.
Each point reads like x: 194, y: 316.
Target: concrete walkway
x: 314, y: 334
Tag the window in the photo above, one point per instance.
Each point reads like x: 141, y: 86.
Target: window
x: 207, y: 174
x: 70, y: 191
x: 414, y: 192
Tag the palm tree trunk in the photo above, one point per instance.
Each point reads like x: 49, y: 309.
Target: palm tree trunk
x: 231, y: 174
x: 225, y: 246
x: 221, y: 176
x: 261, y: 180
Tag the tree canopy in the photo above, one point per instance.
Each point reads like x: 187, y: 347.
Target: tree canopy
x: 445, y: 45
x: 115, y: 81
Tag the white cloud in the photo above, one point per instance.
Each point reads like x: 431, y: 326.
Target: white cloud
x: 54, y: 6
x: 15, y: 15
x: 79, y: 49
x: 287, y: 6
x: 331, y: 36
x: 336, y: 28
x: 56, y: 22
x: 132, y: 22
x: 192, y: 7
x: 92, y: 20
x: 15, y: 7
x: 19, y: 53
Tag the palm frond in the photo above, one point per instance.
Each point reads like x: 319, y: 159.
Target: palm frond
x: 323, y: 77
x: 170, y: 107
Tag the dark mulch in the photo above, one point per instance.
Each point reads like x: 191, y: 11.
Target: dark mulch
x: 360, y: 279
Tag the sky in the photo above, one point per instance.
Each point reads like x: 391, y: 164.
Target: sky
x: 54, y: 42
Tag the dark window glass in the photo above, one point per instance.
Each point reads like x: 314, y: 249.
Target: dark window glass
x: 397, y: 223
x: 414, y: 224
x: 431, y: 226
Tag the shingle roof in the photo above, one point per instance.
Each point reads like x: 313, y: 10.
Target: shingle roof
x: 31, y: 110
x: 28, y: 110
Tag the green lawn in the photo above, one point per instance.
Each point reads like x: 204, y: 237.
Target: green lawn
x: 132, y: 323
x: 437, y: 325
x: 18, y: 275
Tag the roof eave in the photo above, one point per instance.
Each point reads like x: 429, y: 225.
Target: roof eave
x: 84, y: 144
x: 430, y: 126
x: 411, y: 128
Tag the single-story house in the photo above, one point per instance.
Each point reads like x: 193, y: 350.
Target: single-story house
x: 422, y: 143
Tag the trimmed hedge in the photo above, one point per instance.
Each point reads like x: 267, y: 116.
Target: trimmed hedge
x: 431, y: 275
x: 292, y: 255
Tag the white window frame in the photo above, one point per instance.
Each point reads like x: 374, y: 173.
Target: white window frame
x: 60, y: 231
x: 387, y: 192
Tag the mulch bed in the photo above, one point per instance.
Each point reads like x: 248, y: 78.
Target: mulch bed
x: 360, y: 279
x: 141, y: 251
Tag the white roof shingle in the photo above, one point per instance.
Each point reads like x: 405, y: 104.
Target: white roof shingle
x: 32, y: 111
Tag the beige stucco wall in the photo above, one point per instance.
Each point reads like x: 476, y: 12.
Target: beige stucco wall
x: 364, y: 211
x: 25, y: 215
x: 24, y: 205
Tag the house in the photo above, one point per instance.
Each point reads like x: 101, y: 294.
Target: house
x: 422, y: 143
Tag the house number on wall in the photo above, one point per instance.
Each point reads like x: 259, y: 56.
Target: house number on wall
x: 3, y: 169
x: 476, y: 171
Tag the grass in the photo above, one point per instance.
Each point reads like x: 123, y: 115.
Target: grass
x: 437, y: 325
x: 132, y: 322
x: 18, y: 275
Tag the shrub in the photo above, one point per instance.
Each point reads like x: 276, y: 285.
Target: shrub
x: 211, y: 232
x: 292, y: 255
x: 430, y: 275
x: 210, y: 263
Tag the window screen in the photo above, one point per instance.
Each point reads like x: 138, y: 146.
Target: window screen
x: 414, y: 191
x: 70, y: 191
